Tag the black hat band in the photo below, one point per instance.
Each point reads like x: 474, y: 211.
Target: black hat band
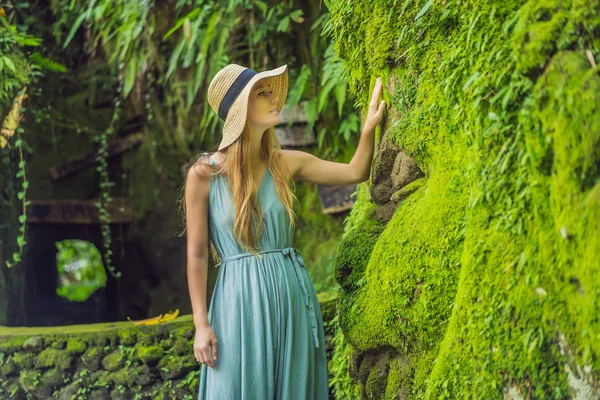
x: 234, y: 91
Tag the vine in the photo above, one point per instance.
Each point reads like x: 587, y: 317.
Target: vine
x: 17, y: 72
x: 21, y: 241
x: 105, y: 199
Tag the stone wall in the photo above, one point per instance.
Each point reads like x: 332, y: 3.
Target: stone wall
x: 109, y: 360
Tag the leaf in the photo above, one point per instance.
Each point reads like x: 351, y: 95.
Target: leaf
x: 148, y: 321
x: 29, y: 40
x: 130, y: 75
x: 173, y: 59
x: 498, y: 95
x: 296, y: 16
x: 47, y: 63
x: 470, y: 80
x: 424, y: 9
x: 296, y: 92
x: 321, y: 137
x: 9, y: 63
x: 261, y: 5
x: 283, y: 24
x: 191, y: 15
x: 187, y: 30
x: 507, y: 97
x: 157, y: 320
x: 170, y: 317
x: 74, y: 29
x: 340, y: 96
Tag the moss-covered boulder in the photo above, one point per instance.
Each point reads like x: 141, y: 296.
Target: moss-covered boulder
x: 75, y: 346
x: 50, y: 357
x: 150, y: 355
x: 113, y: 361
x: 478, y: 279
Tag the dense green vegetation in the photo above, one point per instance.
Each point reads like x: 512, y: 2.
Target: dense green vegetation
x: 485, y: 281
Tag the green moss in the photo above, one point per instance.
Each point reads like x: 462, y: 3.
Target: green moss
x: 100, y: 378
x: 176, y: 367
x: 29, y: 380
x: 75, y: 346
x: 50, y: 357
x: 113, y: 361
x: 11, y: 345
x: 185, y: 332
x: 91, y: 358
x: 400, y: 291
x: 120, y: 377
x: 399, y: 380
x: 145, y: 338
x: 150, y: 355
x: 8, y: 368
x: 407, y: 190
x: 342, y: 386
x: 23, y: 360
x: 376, y: 382
x: 537, y: 29
x: 182, y: 346
x: 360, y: 235
x: 53, y: 377
x: 483, y: 267
x: 105, y: 367
x: 127, y: 337
x: 59, y: 344
x: 328, y: 302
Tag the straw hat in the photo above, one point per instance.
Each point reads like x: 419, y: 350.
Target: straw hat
x: 228, y: 94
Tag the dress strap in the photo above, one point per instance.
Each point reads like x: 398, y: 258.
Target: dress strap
x: 209, y: 158
x: 298, y: 264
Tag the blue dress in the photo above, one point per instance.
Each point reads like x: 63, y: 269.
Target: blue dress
x: 264, y: 311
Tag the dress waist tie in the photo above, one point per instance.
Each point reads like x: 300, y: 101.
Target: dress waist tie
x: 298, y: 263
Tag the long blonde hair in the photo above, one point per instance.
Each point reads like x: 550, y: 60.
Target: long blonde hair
x: 237, y: 169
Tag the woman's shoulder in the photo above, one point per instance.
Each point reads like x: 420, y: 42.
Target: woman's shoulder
x: 217, y: 158
x: 201, y: 168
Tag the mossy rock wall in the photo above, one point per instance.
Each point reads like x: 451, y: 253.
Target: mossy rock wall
x: 109, y: 360
x: 100, y: 361
x: 469, y: 264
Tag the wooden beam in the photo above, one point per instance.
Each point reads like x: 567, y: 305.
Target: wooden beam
x: 69, y: 211
x: 295, y: 136
x: 336, y: 198
x: 116, y: 148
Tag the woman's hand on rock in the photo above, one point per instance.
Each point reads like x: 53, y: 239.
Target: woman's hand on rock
x: 376, y: 108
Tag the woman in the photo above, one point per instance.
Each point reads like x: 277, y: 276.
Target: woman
x: 264, y: 325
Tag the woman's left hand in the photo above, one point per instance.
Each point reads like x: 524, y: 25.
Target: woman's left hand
x: 375, y: 108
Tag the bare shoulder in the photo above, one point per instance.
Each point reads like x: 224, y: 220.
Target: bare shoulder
x: 198, y: 179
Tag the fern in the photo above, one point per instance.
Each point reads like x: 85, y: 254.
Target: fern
x: 46, y: 63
